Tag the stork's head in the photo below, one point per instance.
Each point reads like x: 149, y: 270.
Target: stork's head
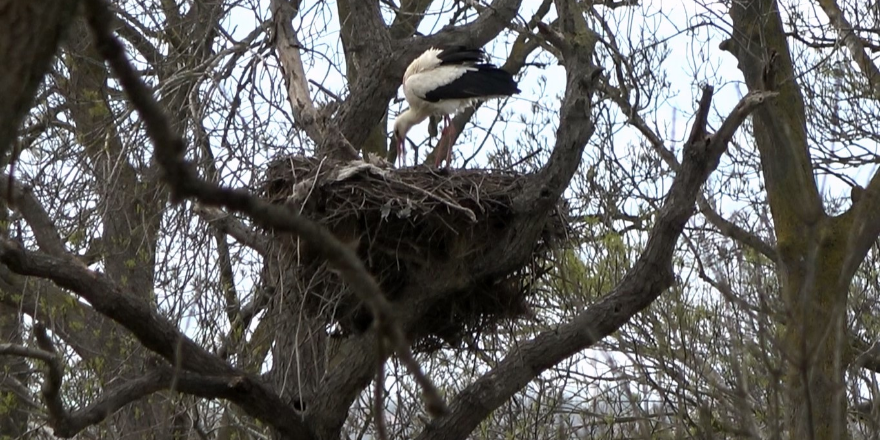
x: 403, y: 124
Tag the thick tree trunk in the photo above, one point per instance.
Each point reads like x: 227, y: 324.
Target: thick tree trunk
x: 815, y: 293
x: 130, y: 216
x: 812, y: 246
x: 377, y: 141
x: 302, y: 347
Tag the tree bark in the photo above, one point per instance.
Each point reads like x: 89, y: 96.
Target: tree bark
x: 353, y: 46
x: 812, y: 247
x: 30, y: 31
x: 14, y: 373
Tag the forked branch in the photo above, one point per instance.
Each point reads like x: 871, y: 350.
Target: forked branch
x: 185, y: 183
x: 854, y: 43
x: 650, y: 276
x: 288, y: 47
x: 153, y: 331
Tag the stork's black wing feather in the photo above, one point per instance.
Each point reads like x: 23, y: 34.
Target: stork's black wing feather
x: 487, y: 80
x: 461, y: 55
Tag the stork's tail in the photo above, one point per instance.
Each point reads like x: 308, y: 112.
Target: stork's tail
x: 496, y: 81
x: 461, y: 55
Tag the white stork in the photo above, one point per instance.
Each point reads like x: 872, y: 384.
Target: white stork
x: 442, y: 82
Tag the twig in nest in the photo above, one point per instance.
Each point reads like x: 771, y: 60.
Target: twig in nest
x: 185, y: 183
x: 310, y: 183
x: 469, y: 213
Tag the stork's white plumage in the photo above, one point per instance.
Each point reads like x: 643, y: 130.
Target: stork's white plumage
x: 442, y: 82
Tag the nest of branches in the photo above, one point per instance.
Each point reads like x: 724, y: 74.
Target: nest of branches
x: 406, y: 222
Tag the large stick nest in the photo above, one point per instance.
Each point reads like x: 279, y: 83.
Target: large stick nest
x: 406, y: 221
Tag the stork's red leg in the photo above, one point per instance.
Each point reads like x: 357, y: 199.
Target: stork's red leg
x: 444, y: 148
x: 440, y: 151
x: 450, y: 135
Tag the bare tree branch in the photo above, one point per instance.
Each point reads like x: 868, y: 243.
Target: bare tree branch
x: 725, y: 227
x: 52, y: 383
x: 814, y: 248
x: 650, y: 276
x: 137, y: 38
x: 408, y: 17
x: 576, y: 126
x: 228, y: 224
x: 67, y: 424
x: 29, y: 36
x: 36, y: 216
x: 185, y: 183
x: 854, y: 43
x: 111, y: 401
x: 21, y: 391
x: 780, y: 128
x: 45, y: 302
x: 159, y: 378
x: 28, y: 352
x: 368, y: 38
x: 730, y: 229
x: 864, y: 355
x: 288, y: 47
x: 866, y: 210
x: 153, y: 331
x: 541, y: 194
x: 865, y: 226
x: 491, y: 22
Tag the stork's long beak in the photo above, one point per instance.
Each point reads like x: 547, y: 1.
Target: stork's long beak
x: 401, y: 150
